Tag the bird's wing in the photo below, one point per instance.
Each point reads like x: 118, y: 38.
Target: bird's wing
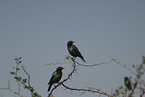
x: 77, y: 51
x: 53, y: 77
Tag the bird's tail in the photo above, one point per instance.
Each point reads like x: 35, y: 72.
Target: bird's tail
x: 49, y: 87
x: 83, y: 59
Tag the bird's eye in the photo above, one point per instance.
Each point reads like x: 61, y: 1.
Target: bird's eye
x: 60, y: 68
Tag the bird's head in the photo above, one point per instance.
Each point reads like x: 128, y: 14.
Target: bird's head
x: 70, y: 42
x: 60, y: 68
x: 126, y: 78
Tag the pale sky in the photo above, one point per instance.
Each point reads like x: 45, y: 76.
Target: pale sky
x: 102, y: 29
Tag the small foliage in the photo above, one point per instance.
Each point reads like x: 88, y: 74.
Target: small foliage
x: 20, y: 58
x: 18, y: 78
x: 17, y: 69
x: 121, y: 91
x: 143, y: 57
x: 12, y: 73
x: 24, y: 80
x: 20, y: 62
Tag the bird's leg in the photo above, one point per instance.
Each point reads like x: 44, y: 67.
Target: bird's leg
x: 74, y: 58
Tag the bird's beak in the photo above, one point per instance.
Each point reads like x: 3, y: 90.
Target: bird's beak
x: 62, y: 68
x: 73, y: 42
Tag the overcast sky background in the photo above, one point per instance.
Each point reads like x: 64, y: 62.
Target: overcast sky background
x: 102, y: 29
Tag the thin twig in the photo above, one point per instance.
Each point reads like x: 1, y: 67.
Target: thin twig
x: 57, y: 63
x: 93, y: 64
x: 17, y: 93
x: 129, y: 70
x: 27, y: 74
x: 87, y: 90
x: 19, y: 86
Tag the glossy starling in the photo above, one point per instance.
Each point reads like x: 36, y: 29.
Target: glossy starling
x: 56, y: 76
x: 134, y: 85
x: 127, y: 83
x: 73, y: 50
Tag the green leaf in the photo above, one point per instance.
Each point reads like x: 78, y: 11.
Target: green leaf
x: 15, y: 59
x: 143, y: 62
x: 13, y: 73
x: 17, y: 69
x: 18, y: 78
x: 20, y: 61
x: 31, y: 88
x: 24, y: 80
x: 20, y: 58
x: 36, y: 95
x: 26, y: 87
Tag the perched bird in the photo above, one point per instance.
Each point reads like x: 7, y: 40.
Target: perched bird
x: 73, y: 50
x: 127, y: 83
x: 56, y: 76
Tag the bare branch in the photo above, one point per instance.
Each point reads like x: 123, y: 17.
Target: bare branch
x: 130, y: 71
x: 19, y: 86
x: 57, y: 63
x: 27, y: 74
x: 92, y: 90
x: 8, y: 88
x: 93, y: 64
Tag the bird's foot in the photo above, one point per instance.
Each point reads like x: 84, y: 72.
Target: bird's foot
x: 74, y: 58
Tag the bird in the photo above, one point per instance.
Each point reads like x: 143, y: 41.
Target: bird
x: 127, y: 83
x: 56, y: 76
x: 73, y: 50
